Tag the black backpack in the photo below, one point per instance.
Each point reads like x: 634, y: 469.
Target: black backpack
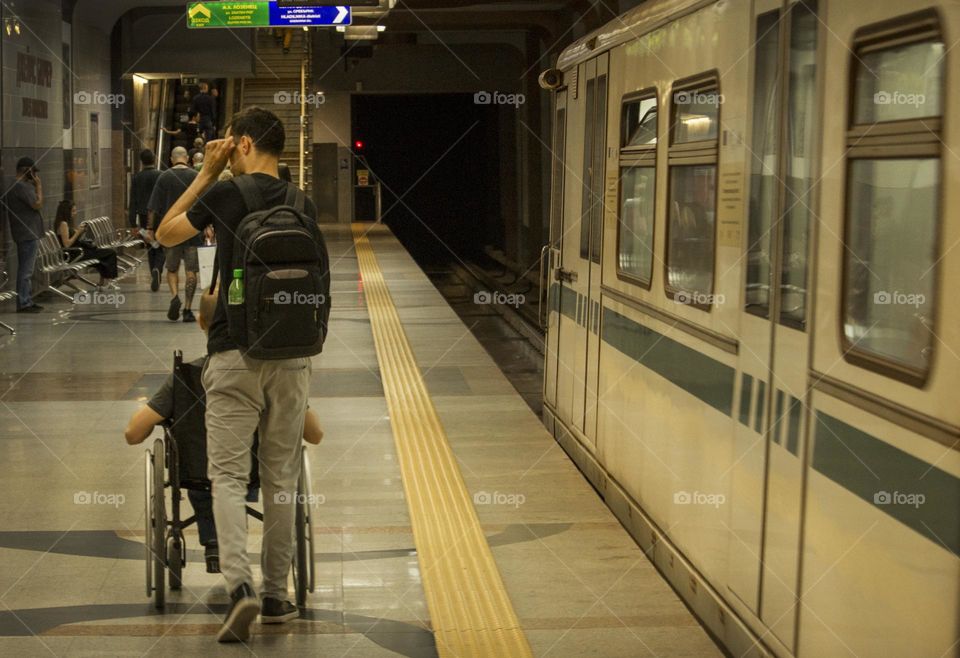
x: 286, y: 278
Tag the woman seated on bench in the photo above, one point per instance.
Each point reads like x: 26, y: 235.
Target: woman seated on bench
x: 71, y: 239
x: 160, y: 409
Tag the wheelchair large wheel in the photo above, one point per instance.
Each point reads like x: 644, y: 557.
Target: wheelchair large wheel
x: 159, y: 513
x: 148, y: 518
x: 310, y: 511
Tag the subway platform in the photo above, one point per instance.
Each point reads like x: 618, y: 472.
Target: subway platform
x: 449, y: 522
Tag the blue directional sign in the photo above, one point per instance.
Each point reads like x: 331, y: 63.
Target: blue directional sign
x: 296, y: 16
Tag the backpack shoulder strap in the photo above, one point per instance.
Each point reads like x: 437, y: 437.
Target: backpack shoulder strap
x: 296, y: 198
x: 252, y: 198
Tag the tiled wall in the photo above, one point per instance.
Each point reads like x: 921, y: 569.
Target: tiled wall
x: 53, y: 78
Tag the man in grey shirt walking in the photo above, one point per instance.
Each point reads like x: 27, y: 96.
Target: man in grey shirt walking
x: 24, y: 200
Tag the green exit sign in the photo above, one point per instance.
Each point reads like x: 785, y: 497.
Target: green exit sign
x: 228, y: 14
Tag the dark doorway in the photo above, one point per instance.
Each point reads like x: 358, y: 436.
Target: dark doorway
x: 437, y: 159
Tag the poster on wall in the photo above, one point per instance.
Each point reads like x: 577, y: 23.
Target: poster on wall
x: 94, y: 155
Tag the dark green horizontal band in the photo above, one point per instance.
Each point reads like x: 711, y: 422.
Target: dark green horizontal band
x: 887, y: 478
x: 695, y: 372
x: 841, y: 452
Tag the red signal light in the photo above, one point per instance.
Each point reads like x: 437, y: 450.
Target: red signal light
x: 358, y: 145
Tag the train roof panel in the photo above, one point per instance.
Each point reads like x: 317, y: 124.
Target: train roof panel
x: 631, y: 25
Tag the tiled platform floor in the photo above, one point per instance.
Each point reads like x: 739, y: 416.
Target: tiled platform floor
x: 72, y: 580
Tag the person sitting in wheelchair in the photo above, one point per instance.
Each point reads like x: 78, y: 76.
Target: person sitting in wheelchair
x: 159, y: 409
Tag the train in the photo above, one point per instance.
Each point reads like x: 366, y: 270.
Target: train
x: 752, y: 339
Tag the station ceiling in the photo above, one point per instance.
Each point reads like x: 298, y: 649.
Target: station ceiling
x: 450, y: 14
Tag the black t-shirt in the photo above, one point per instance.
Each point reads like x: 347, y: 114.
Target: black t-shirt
x: 223, y: 207
x: 188, y: 134
x: 162, y: 400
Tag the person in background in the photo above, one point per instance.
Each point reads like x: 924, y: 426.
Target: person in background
x: 198, y: 161
x: 187, y: 133
x: 140, y: 190
x: 23, y: 201
x: 197, y: 147
x: 215, y: 94
x: 205, y: 106
x: 171, y: 184
x: 73, y: 239
x: 160, y: 409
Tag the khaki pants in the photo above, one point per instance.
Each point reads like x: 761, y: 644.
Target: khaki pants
x: 244, y: 394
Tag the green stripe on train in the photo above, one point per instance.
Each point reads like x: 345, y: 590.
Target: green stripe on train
x: 695, y: 372
x: 889, y: 479
x: 841, y: 452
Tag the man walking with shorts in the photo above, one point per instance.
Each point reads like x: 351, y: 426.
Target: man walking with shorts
x: 243, y: 393
x: 170, y: 186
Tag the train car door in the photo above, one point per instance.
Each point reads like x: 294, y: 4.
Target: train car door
x: 550, y: 255
x: 579, y: 271
x: 767, y: 484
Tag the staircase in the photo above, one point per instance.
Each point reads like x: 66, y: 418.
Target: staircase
x: 277, y: 87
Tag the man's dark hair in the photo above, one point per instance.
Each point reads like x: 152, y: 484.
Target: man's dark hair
x: 147, y: 158
x: 262, y: 126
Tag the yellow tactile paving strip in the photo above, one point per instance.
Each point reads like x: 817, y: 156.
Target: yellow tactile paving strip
x: 470, y: 611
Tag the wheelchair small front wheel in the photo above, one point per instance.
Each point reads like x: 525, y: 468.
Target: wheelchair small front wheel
x: 175, y: 547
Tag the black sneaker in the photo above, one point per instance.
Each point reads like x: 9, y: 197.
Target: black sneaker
x: 155, y: 280
x: 240, y: 615
x: 173, y: 313
x: 188, y: 316
x: 211, y: 554
x: 275, y: 611
x: 33, y: 308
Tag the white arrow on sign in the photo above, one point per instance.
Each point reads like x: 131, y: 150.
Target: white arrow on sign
x: 341, y: 15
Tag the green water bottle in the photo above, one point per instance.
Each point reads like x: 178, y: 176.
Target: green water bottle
x: 235, y: 294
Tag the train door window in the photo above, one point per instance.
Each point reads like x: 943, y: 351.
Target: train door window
x: 781, y: 189
x: 638, y: 156
x: 692, y: 195
x: 765, y: 147
x: 559, y: 157
x: 800, y: 145
x: 599, y: 169
x: 586, y: 204
x: 893, y: 193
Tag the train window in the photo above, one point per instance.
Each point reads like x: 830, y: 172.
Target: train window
x: 899, y: 83
x: 691, y: 232
x: 638, y: 159
x: 692, y: 191
x: 892, y: 209
x: 640, y: 122
x: 893, y: 191
x: 638, y: 191
x: 696, y: 113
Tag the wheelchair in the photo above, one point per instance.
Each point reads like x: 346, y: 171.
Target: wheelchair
x: 178, y: 461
